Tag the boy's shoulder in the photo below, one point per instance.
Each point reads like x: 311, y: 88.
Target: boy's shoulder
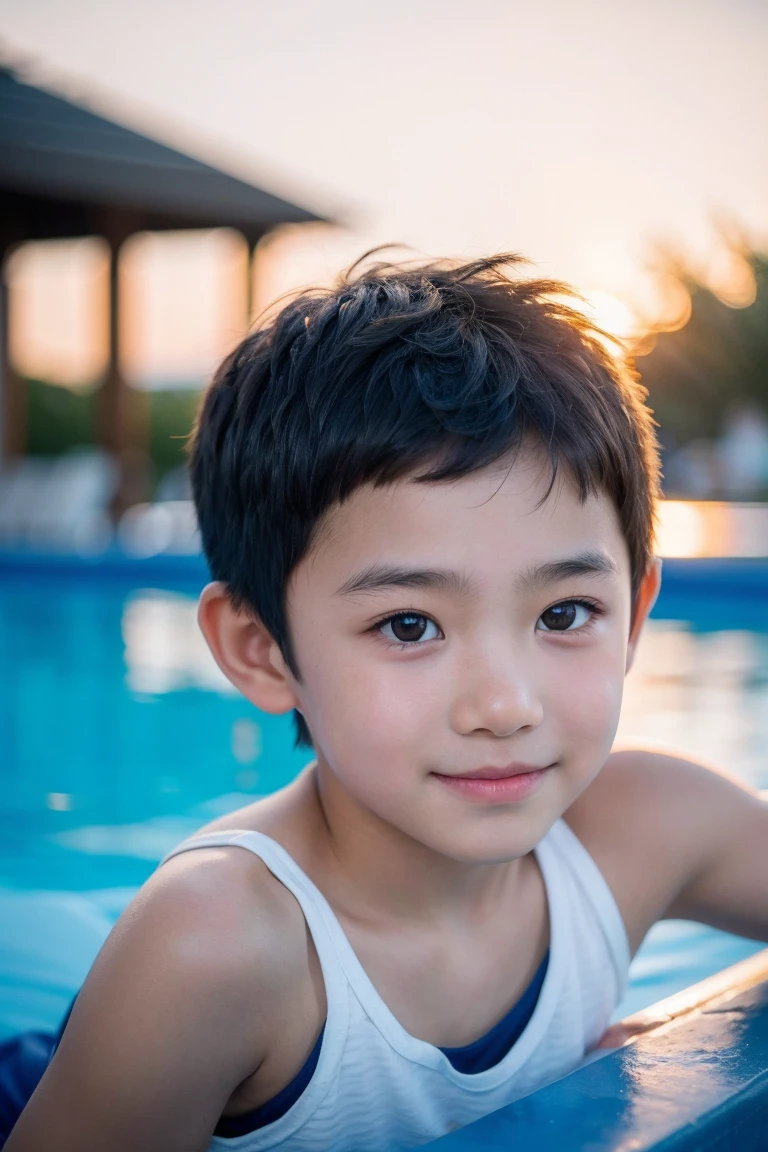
x: 214, y: 927
x: 229, y: 896
x: 218, y: 923
x: 224, y: 904
x: 652, y: 821
x: 198, y: 982
x: 217, y: 918
x: 644, y: 796
x: 224, y: 892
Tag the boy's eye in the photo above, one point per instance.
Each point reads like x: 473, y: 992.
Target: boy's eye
x: 409, y: 628
x: 567, y: 616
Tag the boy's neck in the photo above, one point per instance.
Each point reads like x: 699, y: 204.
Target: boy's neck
x: 373, y: 866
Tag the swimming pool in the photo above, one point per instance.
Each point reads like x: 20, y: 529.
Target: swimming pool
x: 118, y: 737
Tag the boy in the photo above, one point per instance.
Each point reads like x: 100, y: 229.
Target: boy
x: 427, y: 501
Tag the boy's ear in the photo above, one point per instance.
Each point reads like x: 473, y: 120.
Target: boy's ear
x: 644, y: 602
x: 245, y: 651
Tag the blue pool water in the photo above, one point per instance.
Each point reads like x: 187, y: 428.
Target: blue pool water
x: 118, y: 737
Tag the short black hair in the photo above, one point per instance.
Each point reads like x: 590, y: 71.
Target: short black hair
x: 432, y: 370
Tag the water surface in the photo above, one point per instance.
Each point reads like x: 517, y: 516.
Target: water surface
x: 118, y: 737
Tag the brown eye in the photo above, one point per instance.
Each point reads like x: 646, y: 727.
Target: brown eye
x: 409, y: 628
x: 564, y: 617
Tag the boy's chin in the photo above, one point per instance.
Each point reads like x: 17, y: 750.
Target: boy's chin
x: 483, y: 837
x: 499, y: 843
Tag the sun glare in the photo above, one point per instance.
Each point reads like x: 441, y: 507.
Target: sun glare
x: 682, y: 529
x: 611, y: 314
x: 732, y: 279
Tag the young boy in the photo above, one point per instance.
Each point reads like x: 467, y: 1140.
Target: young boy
x: 427, y: 502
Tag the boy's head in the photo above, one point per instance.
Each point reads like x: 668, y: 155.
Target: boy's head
x: 414, y: 384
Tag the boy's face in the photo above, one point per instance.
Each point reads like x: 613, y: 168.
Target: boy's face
x: 447, y: 629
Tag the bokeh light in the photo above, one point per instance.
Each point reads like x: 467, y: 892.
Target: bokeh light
x: 59, y: 303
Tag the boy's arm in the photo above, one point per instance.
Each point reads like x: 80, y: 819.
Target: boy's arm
x: 675, y: 838
x: 729, y: 886
x: 168, y: 1023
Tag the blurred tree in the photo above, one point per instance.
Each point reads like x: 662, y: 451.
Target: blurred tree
x: 61, y: 419
x: 58, y: 418
x: 171, y: 416
x: 716, y: 363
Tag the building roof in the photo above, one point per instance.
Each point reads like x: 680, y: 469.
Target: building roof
x: 62, y: 165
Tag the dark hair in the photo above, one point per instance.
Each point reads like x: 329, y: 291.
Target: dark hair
x: 435, y: 370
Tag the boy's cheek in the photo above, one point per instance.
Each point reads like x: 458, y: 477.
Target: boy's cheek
x: 349, y: 683
x: 374, y: 721
x: 367, y: 721
x: 588, y: 716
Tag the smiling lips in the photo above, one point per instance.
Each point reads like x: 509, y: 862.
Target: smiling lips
x: 510, y: 783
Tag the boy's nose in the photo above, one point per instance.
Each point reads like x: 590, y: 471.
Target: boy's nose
x: 496, y: 699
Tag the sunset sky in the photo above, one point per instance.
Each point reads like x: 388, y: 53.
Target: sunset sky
x: 580, y: 134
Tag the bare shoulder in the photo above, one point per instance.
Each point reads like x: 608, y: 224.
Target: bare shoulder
x: 179, y: 1009
x: 211, y: 929
x: 225, y: 901
x: 646, y: 820
x: 642, y: 788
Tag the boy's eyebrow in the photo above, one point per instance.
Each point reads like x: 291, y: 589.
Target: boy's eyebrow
x: 583, y: 564
x: 378, y: 576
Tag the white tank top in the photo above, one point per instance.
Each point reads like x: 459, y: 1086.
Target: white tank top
x: 377, y: 1087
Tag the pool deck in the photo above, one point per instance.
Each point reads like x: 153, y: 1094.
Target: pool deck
x: 691, y: 1076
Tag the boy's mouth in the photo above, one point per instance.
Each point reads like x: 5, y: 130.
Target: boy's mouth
x: 508, y: 783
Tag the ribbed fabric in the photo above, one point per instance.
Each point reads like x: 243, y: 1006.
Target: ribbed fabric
x: 493, y: 1046
x: 377, y: 1087
x: 276, y: 1107
x: 474, y: 1057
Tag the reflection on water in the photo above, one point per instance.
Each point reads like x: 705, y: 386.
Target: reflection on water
x: 120, y: 736
x: 704, y: 693
x: 712, y: 528
x: 164, y: 648
x: 113, y: 713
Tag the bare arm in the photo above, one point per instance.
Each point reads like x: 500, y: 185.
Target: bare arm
x: 729, y: 887
x: 169, y: 1022
x: 675, y: 838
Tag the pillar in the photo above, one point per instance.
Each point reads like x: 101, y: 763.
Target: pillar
x: 250, y: 294
x: 13, y: 393
x: 122, y: 412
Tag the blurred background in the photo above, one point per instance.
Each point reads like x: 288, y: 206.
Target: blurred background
x: 166, y: 172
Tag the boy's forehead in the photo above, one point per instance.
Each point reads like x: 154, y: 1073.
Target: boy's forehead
x: 495, y: 518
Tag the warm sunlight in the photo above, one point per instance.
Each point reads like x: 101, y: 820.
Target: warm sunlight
x: 697, y: 528
x: 611, y: 314
x: 732, y: 279
x: 682, y: 529
x: 58, y: 302
x: 185, y: 304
